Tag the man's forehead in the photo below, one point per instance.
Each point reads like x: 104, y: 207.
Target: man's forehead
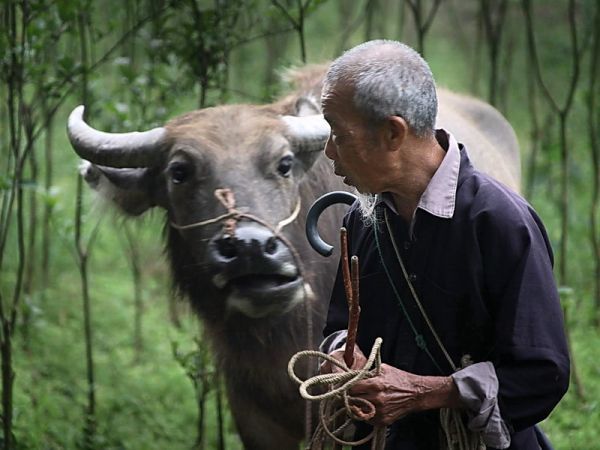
x: 341, y: 87
x: 336, y: 98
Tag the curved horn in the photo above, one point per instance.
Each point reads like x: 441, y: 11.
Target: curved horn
x: 135, y: 149
x: 309, y: 133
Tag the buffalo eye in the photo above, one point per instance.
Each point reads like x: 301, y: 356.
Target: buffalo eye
x: 285, y: 165
x: 179, y: 172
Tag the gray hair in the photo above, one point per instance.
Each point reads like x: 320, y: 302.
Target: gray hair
x: 389, y: 79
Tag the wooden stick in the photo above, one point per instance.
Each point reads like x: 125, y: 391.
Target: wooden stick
x: 346, y: 265
x: 354, y: 314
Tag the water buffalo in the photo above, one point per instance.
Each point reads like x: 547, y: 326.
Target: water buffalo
x: 228, y: 177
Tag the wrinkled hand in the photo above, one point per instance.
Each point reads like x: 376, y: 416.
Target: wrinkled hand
x: 396, y: 393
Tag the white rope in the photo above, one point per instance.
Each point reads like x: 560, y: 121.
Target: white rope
x: 290, y: 219
x: 203, y: 223
x: 236, y: 214
x: 338, y: 385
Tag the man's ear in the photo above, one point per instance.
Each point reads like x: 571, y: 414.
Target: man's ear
x: 395, y: 132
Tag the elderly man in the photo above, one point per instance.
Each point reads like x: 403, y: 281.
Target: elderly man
x: 456, y: 269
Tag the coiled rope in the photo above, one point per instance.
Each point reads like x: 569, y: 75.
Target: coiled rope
x: 336, y: 401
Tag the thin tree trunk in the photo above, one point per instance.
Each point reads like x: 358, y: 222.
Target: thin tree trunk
x: 593, y: 119
x: 12, y: 204
x: 456, y: 19
x: 370, y: 8
x: 202, y: 74
x: 48, y: 204
x: 29, y: 274
x: 201, y: 378
x: 201, y: 391
x: 275, y: 46
x: 89, y: 430
x: 493, y: 25
x: 535, y: 134
x: 300, y: 28
x: 347, y: 25
x: 297, y: 24
x: 224, y: 79
x: 562, y: 113
x: 220, y: 415
x: 132, y: 250
x: 174, y: 311
x: 401, y: 21
x: 476, y: 72
x: 422, y: 24
x: 505, y: 81
x: 8, y: 378
x: 133, y: 256
x: 564, y: 196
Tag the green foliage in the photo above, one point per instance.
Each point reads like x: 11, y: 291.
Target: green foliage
x: 153, y: 60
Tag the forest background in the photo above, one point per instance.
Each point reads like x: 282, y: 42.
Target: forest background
x: 96, y: 352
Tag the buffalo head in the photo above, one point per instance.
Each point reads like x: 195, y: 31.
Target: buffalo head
x: 230, y: 179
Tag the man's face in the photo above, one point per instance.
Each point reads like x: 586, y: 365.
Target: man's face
x: 351, y: 143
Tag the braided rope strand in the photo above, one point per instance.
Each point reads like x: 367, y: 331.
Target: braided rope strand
x: 338, y: 385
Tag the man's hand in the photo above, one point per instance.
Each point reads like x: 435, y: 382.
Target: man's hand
x: 395, y: 393
x: 359, y: 360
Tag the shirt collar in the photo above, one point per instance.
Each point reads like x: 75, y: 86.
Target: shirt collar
x: 439, y: 197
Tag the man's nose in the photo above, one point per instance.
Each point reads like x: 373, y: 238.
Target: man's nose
x: 330, y: 150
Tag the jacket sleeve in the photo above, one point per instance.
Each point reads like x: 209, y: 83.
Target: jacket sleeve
x: 529, y: 353
x: 478, y: 390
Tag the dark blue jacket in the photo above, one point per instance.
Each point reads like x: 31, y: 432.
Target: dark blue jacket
x: 485, y: 279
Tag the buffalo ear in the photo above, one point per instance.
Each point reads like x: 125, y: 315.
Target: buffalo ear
x: 133, y: 191
x: 307, y: 136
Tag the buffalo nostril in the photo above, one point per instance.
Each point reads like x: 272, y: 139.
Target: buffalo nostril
x: 271, y: 245
x: 226, y: 247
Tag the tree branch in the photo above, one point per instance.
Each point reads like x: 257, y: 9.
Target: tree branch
x: 286, y: 13
x: 70, y: 79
